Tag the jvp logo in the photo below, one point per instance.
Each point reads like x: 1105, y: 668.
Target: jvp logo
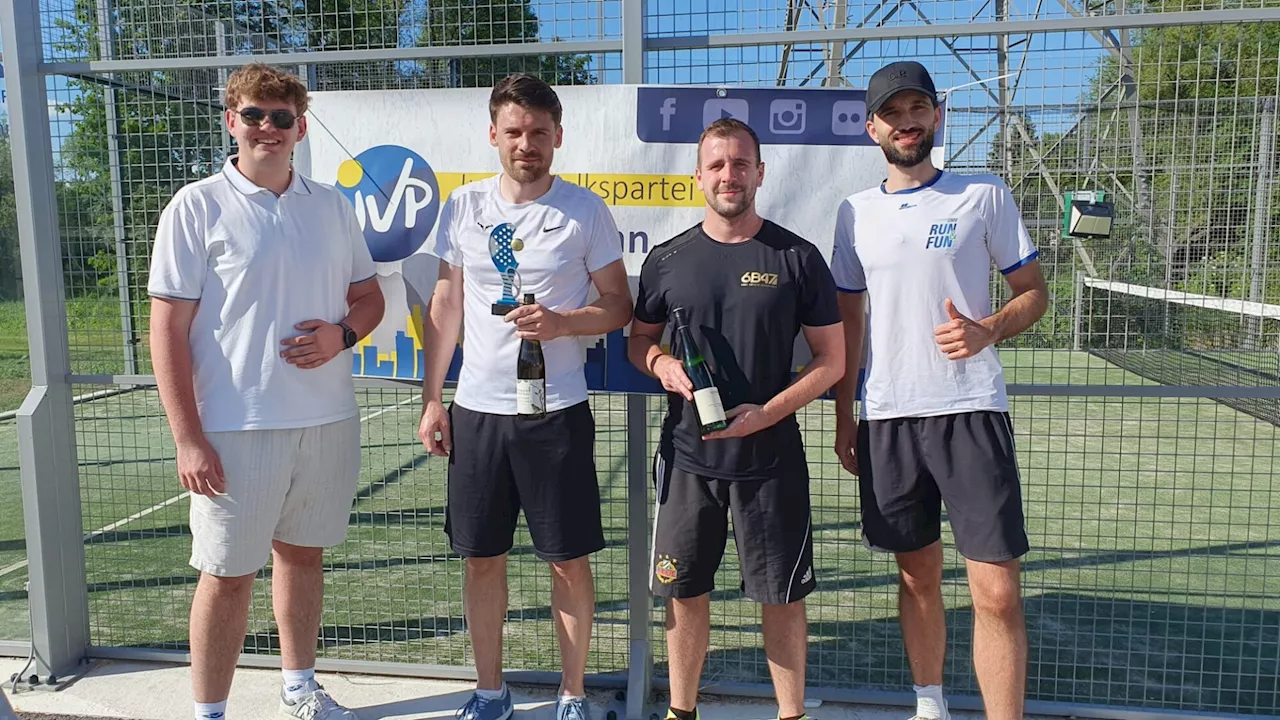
x: 942, y: 234
x: 396, y: 198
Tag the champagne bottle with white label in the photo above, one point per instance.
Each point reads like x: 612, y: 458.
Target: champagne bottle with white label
x: 531, y: 376
x: 706, y: 397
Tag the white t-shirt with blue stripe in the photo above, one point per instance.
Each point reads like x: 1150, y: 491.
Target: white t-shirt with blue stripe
x: 910, y: 251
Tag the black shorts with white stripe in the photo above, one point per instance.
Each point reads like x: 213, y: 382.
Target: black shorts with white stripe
x: 771, y: 528
x: 908, y: 467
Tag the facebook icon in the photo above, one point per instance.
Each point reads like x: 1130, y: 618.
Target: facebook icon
x: 667, y: 110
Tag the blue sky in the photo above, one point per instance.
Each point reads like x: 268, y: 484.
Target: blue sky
x: 1056, y: 68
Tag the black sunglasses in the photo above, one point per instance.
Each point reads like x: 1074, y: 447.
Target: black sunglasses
x: 282, y: 119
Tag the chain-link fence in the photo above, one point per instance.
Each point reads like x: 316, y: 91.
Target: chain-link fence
x: 1144, y: 402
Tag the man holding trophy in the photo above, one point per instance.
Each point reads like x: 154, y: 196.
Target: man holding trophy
x: 522, y: 232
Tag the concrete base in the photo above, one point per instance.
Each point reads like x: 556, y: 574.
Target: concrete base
x: 154, y: 691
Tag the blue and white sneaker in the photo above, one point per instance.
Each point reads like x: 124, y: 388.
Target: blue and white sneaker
x: 572, y: 709
x: 479, y: 708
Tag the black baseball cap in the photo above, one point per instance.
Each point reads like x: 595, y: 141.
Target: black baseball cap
x: 896, y: 77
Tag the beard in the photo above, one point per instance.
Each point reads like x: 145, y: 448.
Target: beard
x: 730, y: 209
x: 913, y: 155
x: 528, y: 172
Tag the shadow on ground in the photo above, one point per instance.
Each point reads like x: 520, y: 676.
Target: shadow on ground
x: 1083, y: 649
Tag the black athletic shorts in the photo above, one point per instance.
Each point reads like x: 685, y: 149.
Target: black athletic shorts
x: 501, y: 464
x: 771, y: 527
x: 907, y: 467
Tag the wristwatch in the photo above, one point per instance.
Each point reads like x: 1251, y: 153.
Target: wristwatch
x: 349, y: 338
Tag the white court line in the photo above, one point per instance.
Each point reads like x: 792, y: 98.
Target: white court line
x: 177, y: 498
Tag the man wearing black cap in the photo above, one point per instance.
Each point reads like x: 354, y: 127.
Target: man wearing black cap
x: 934, y: 415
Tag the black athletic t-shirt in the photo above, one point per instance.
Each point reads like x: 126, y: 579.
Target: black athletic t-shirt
x: 745, y: 304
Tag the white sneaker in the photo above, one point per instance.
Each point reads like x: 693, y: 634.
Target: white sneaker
x: 316, y: 705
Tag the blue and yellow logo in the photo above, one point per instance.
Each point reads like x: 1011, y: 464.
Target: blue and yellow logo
x: 942, y: 234
x: 396, y: 197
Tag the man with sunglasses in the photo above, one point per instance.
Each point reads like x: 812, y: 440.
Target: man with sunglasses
x: 261, y: 282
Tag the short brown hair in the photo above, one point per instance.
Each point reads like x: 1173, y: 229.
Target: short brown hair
x: 527, y: 91
x: 728, y: 127
x: 257, y: 81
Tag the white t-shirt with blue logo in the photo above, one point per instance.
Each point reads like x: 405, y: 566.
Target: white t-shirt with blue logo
x: 553, y: 244
x: 259, y: 264
x: 910, y: 251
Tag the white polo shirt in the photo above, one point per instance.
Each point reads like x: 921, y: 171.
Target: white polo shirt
x: 910, y: 251
x: 259, y: 264
x: 556, y: 242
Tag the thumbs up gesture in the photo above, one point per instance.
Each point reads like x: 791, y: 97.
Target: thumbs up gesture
x: 961, y: 337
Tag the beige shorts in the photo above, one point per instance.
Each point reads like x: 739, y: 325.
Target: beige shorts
x: 293, y: 485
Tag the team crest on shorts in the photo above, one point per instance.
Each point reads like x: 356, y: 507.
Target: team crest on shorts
x: 665, y: 569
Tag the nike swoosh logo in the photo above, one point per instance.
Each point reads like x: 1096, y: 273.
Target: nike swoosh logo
x: 552, y: 228
x: 483, y: 226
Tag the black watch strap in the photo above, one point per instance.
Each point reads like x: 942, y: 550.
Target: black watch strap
x: 349, y: 338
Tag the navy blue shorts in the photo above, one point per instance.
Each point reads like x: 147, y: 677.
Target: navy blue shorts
x: 907, y: 467
x: 502, y: 464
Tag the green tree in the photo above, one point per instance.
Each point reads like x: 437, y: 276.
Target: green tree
x: 496, y: 22
x: 1201, y: 94
x: 169, y: 124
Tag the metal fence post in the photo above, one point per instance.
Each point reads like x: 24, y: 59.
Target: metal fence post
x: 106, y: 49
x: 632, y: 42
x: 1077, y: 310
x: 640, y: 658
x: 59, y: 602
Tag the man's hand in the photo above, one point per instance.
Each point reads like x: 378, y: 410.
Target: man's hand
x: 961, y: 337
x: 535, y: 322
x: 321, y: 343
x: 199, y: 469
x: 671, y: 372
x: 847, y: 443
x: 746, y: 419
x: 435, y: 420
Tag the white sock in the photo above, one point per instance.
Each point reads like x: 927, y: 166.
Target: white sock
x: 299, y: 682
x: 566, y: 697
x: 929, y: 702
x: 211, y: 711
x: 492, y: 694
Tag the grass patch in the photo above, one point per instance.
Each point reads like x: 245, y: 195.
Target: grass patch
x: 95, y: 344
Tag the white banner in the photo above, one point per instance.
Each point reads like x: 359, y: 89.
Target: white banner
x: 398, y: 154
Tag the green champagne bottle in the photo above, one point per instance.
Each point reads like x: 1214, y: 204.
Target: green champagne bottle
x: 706, y: 397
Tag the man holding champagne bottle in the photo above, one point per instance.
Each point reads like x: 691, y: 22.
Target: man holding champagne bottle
x: 519, y: 434
x: 739, y: 289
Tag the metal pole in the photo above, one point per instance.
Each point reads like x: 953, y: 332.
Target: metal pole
x: 640, y: 666
x: 58, y: 595
x: 1078, y: 311
x: 1002, y: 71
x: 220, y: 41
x: 1261, y: 216
x: 835, y: 50
x: 640, y: 656
x: 632, y: 42
x: 600, y: 36
x: 106, y: 48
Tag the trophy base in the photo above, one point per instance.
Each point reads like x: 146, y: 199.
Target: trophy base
x: 502, y: 308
